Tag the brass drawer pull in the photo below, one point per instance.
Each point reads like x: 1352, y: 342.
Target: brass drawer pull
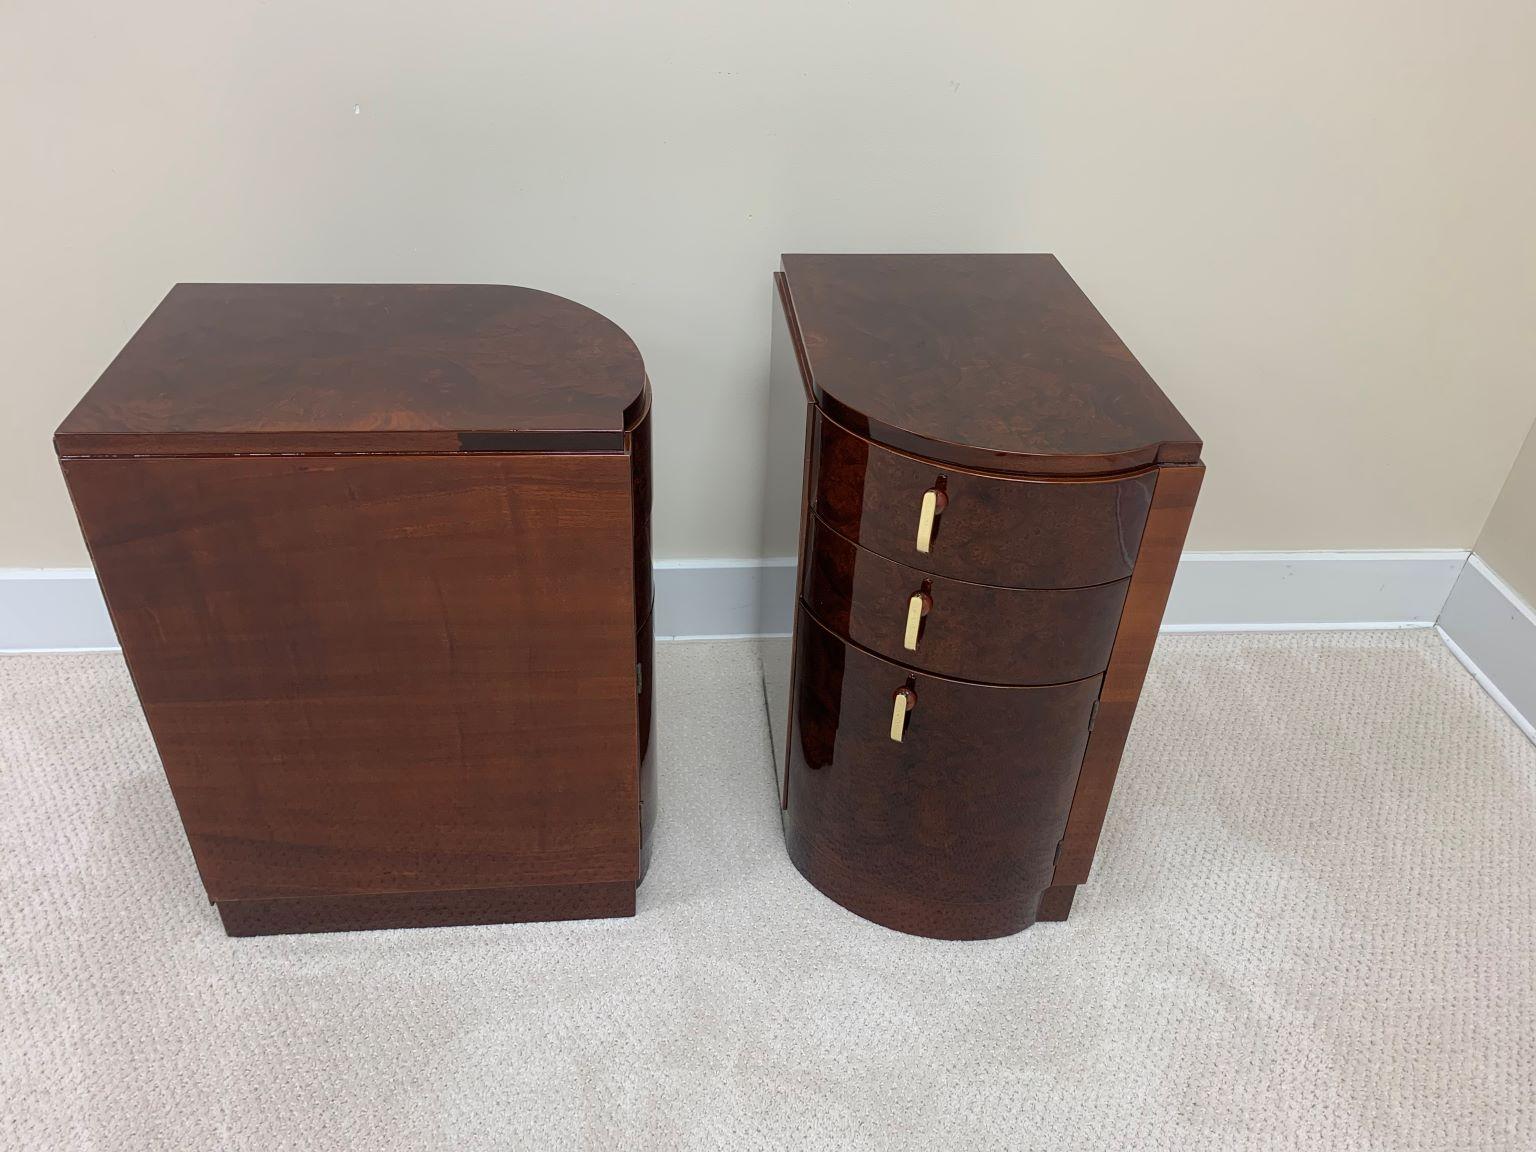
x: 917, y: 608
x: 934, y: 502
x: 903, y: 702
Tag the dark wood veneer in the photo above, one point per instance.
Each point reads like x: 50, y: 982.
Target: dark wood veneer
x: 992, y: 361
x: 243, y: 368
x: 995, y: 529
x: 639, y: 444
x: 368, y: 673
x: 379, y: 561
x: 957, y: 787
x: 1172, y: 507
x: 645, y: 737
x: 971, y: 631
x: 951, y: 832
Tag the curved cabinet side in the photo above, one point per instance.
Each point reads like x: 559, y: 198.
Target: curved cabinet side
x: 950, y: 832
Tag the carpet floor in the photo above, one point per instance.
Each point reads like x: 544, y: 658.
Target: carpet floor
x: 1312, y: 925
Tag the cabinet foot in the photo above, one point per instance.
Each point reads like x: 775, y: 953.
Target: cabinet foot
x: 1056, y: 903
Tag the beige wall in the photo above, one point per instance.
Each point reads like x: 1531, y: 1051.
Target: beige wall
x: 1311, y: 219
x: 1508, y: 540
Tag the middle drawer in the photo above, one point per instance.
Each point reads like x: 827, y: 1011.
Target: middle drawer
x: 954, y: 628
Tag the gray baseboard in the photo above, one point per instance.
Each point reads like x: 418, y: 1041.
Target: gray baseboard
x: 1493, y: 632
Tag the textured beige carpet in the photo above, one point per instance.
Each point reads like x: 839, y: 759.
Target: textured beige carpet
x: 1313, y: 925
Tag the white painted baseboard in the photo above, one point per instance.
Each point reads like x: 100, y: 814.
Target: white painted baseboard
x: 1493, y: 632
x: 719, y: 599
x: 53, y: 610
x: 1214, y: 591
x: 1291, y: 591
x: 60, y: 609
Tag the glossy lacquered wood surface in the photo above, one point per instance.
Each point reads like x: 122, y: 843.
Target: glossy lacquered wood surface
x: 639, y: 445
x: 363, y: 368
x: 970, y: 631
x: 994, y: 361
x: 950, y: 832
x: 993, y: 529
x: 1172, y: 507
x: 645, y: 737
x: 982, y: 440
x: 382, y: 675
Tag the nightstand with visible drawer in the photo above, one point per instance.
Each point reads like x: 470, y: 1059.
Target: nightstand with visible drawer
x: 993, y: 499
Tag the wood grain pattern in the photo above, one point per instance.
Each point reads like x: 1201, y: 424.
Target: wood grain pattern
x: 1063, y: 480
x: 1004, y: 530
x: 971, y: 631
x: 1172, y: 506
x: 381, y: 674
x: 994, y: 361
x: 949, y: 833
x: 243, y: 368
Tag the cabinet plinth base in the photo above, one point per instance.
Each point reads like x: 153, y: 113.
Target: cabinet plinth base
x: 369, y: 911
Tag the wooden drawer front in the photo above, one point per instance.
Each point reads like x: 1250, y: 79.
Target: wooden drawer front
x: 993, y: 529
x: 969, y: 631
x: 950, y: 832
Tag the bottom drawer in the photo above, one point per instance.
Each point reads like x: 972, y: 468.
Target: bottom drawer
x: 948, y: 831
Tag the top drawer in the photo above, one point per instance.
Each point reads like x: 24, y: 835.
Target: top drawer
x: 980, y: 526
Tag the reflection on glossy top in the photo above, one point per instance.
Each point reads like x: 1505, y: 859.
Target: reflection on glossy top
x: 993, y: 361
x: 414, y: 366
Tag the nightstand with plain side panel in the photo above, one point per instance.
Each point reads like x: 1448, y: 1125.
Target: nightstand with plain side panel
x: 378, y: 557
x: 993, y: 497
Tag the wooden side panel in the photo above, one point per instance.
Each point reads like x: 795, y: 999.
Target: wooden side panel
x: 381, y: 674
x: 1173, y: 503
x: 789, y: 420
x: 645, y: 634
x: 640, y: 503
x: 645, y: 737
